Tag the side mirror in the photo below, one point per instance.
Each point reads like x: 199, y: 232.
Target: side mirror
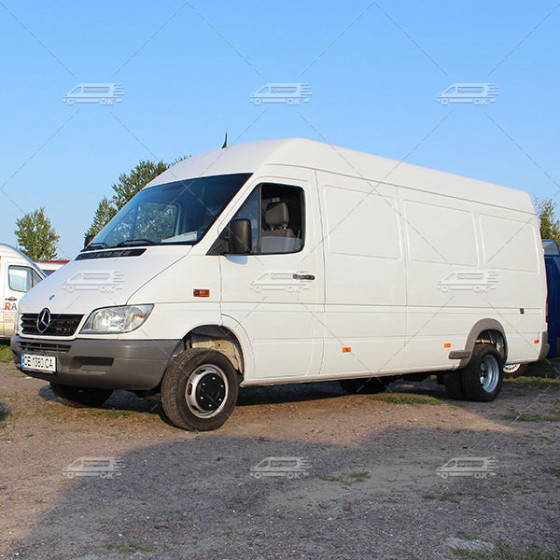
x: 88, y: 239
x: 240, y: 239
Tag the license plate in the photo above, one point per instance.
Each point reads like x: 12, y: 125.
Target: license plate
x: 45, y: 364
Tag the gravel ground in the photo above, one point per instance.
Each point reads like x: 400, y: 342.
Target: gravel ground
x: 370, y: 489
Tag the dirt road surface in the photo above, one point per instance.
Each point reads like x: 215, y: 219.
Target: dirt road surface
x: 363, y: 483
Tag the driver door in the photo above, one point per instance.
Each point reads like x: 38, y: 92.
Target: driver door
x: 276, y: 292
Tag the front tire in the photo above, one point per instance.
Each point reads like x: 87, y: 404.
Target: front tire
x: 199, y: 390
x: 80, y: 397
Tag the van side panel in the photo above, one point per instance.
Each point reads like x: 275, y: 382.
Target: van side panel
x: 469, y: 261
x: 365, y: 277
x: 511, y: 245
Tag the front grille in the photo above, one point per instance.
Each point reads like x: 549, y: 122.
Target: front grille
x: 60, y: 325
x: 44, y: 347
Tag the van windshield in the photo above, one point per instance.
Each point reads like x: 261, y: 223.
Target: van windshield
x: 177, y: 212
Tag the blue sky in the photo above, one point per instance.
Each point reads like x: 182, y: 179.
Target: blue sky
x: 187, y: 70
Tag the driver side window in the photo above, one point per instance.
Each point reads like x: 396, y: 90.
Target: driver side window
x: 276, y: 214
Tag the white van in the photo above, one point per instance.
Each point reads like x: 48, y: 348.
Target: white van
x: 363, y: 243
x: 18, y: 275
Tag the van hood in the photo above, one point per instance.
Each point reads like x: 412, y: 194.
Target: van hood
x: 86, y: 284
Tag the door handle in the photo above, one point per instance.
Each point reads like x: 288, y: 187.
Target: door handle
x: 10, y: 299
x: 298, y: 276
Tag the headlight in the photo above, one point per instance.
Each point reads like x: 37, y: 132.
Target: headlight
x: 115, y: 320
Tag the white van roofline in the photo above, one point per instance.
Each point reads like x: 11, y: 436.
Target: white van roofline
x: 252, y: 157
x: 9, y: 251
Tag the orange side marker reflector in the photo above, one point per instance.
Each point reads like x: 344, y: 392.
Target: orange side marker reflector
x: 447, y: 345
x: 201, y: 293
x: 536, y: 341
x: 346, y: 349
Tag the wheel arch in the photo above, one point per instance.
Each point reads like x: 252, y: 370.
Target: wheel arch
x: 221, y: 339
x: 487, y: 331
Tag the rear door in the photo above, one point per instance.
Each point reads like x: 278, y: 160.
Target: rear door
x: 275, y: 294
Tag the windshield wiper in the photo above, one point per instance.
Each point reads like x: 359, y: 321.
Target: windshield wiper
x: 131, y: 242
x: 95, y: 246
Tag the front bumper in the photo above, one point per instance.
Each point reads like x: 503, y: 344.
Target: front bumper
x: 134, y: 365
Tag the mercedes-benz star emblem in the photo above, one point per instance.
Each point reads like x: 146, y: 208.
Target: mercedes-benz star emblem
x: 43, y: 320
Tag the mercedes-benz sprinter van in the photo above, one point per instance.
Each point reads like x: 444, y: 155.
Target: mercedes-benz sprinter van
x: 290, y: 261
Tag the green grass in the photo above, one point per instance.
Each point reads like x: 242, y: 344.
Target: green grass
x: 406, y: 398
x: 552, y: 416
x: 358, y: 476
x: 503, y: 551
x: 347, y: 478
x: 5, y: 353
x: 4, y: 417
x: 540, y: 382
x: 130, y: 548
x: 109, y: 413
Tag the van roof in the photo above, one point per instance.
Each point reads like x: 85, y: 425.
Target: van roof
x: 6, y: 250
x: 300, y: 152
x: 9, y: 251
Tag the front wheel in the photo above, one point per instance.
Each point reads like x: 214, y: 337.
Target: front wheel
x: 199, y: 390
x: 80, y: 397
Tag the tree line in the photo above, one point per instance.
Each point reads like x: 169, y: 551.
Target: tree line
x: 37, y: 237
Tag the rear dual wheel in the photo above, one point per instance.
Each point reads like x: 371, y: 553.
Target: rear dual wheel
x: 481, y: 379
x: 199, y: 390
